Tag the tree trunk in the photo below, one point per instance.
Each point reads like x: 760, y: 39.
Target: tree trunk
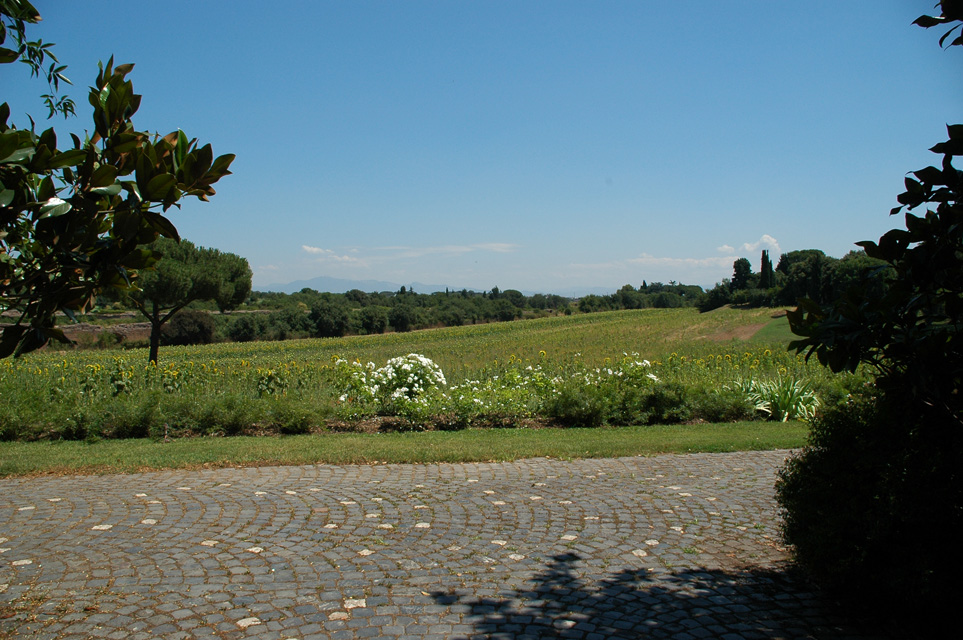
x: 155, y: 332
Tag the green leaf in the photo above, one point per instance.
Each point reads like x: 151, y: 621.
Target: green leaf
x: 54, y: 207
x: 49, y: 139
x: 9, y: 143
x: 21, y: 155
x: 7, y: 55
x: 110, y: 190
x: 929, y: 175
x: 6, y: 197
x: 71, y: 158
x: 927, y: 21
x: 181, y: 148
x: 162, y: 224
x: 104, y: 175
x: 46, y: 190
x: 159, y: 186
x: 221, y: 165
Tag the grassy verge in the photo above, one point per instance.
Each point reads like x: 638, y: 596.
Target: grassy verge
x: 129, y: 456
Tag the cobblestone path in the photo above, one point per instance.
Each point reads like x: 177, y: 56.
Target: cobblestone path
x: 676, y: 546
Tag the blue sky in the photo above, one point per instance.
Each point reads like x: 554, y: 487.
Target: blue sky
x: 540, y: 146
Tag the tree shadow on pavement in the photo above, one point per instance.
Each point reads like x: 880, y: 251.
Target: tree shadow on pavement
x: 642, y: 603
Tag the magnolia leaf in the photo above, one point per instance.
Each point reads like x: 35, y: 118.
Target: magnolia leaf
x: 104, y: 175
x: 929, y: 175
x: 160, y: 186
x: 928, y: 21
x: 21, y: 155
x: 947, y: 34
x: 220, y: 166
x: 54, y: 207
x: 162, y: 224
x: 9, y: 143
x: 110, y: 190
x: 71, y: 158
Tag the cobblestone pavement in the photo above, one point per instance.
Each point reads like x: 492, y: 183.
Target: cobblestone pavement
x: 676, y: 546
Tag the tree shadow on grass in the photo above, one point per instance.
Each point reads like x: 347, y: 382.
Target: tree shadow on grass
x: 642, y: 603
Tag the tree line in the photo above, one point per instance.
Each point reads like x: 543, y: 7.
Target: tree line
x: 188, y: 282
x: 805, y: 274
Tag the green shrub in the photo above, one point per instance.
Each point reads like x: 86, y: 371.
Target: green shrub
x: 871, y: 505
x: 723, y: 405
x: 125, y: 417
x: 329, y: 319
x: 248, y: 327
x: 578, y: 405
x: 189, y: 326
x: 230, y: 414
x: 666, y: 403
x: 293, y: 418
x: 290, y: 322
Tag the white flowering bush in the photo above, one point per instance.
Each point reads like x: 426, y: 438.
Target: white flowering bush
x: 407, y: 376
x: 407, y: 386
x: 357, y: 399
x: 502, y: 398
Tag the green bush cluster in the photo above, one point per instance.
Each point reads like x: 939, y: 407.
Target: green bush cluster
x: 573, y: 395
x: 872, y: 504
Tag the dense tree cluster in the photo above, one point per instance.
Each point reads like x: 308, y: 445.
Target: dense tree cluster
x: 654, y: 296
x: 808, y: 273
x: 309, y: 313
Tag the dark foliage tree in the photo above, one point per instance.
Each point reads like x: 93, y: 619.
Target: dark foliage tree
x: 73, y: 222
x: 402, y: 317
x: 248, y: 327
x: 185, y: 274
x: 741, y: 274
x: 374, y: 319
x: 330, y: 319
x: 767, y: 278
x: 883, y: 472
x: 803, y: 275
x: 289, y: 322
x: 189, y: 326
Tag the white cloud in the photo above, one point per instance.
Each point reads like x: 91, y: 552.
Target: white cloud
x: 766, y: 241
x: 725, y: 249
x: 449, y: 249
x: 327, y: 255
x: 650, y: 260
x: 496, y: 247
x: 373, y: 255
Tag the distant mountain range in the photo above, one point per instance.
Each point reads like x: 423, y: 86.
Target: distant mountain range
x: 340, y: 285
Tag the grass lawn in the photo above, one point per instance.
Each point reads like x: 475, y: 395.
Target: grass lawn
x: 473, y: 445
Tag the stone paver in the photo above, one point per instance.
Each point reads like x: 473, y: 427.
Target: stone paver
x: 660, y: 547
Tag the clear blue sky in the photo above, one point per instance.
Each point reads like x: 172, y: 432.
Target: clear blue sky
x: 529, y: 145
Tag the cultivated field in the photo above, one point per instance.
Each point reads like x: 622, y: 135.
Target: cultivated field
x: 617, y: 369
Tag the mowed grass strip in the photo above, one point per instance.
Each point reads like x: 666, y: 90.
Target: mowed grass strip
x: 473, y: 445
